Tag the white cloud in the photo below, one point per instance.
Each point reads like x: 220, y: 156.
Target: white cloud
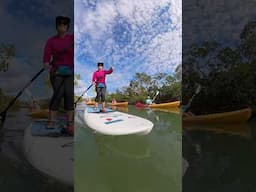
x: 158, y: 50
x: 145, y: 35
x: 95, y: 22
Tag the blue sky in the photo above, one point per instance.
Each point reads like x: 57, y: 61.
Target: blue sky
x: 28, y: 24
x: 132, y: 36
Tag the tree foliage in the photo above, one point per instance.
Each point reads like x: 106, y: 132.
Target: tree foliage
x: 143, y: 85
x: 7, y: 52
x: 227, y: 75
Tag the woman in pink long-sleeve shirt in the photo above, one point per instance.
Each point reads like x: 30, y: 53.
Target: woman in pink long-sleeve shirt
x: 99, y: 80
x: 59, y: 59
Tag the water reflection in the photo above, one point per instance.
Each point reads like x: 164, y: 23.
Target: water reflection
x: 130, y: 163
x: 220, y: 157
x: 243, y: 129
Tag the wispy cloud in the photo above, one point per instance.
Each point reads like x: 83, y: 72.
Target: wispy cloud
x: 133, y: 36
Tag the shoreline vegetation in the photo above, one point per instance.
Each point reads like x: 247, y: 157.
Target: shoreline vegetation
x: 143, y: 85
x: 226, y: 74
x: 5, y: 99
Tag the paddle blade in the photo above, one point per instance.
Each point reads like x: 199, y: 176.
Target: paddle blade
x: 198, y: 89
x: 155, y: 96
x: 3, y: 117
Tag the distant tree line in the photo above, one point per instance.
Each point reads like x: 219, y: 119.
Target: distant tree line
x: 227, y: 75
x: 143, y: 85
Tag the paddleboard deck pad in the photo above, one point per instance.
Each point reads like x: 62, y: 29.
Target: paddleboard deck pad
x: 98, y: 110
x: 116, y: 123
x: 39, y: 128
x: 51, y: 155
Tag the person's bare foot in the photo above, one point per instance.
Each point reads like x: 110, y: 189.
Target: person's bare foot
x: 103, y: 110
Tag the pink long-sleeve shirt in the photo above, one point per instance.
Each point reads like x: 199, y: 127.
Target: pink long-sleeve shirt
x: 99, y: 76
x: 60, y: 50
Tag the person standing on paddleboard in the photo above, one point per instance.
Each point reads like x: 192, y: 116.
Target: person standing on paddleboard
x: 148, y: 101
x: 59, y: 59
x: 98, y: 80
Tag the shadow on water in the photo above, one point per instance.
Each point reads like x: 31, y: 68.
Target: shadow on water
x: 220, y: 159
x: 135, y: 163
x: 16, y: 173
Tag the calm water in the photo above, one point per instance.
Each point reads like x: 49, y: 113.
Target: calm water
x: 131, y: 163
x: 16, y: 172
x: 220, y: 159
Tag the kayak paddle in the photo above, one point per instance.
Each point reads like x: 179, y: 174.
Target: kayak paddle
x: 198, y: 89
x: 82, y: 95
x: 4, y: 112
x: 157, y: 93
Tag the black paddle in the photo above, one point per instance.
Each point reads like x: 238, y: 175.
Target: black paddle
x: 82, y: 95
x: 4, y: 112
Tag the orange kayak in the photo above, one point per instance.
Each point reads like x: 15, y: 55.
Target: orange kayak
x: 119, y: 104
x: 238, y: 116
x: 175, y: 110
x: 166, y: 105
x: 90, y: 103
x: 41, y: 114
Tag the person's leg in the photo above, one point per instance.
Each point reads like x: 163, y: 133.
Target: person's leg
x: 69, y: 97
x: 97, y: 97
x: 69, y: 102
x: 103, y: 105
x: 52, y: 118
x: 103, y: 95
x: 58, y: 91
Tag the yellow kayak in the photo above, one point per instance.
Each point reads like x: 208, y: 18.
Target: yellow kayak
x: 119, y: 104
x: 41, y: 114
x: 90, y: 103
x: 166, y: 105
x: 175, y: 110
x: 238, y: 116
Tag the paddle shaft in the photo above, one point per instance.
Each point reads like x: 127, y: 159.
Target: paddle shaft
x: 82, y: 94
x: 192, y: 98
x: 3, y: 114
x: 155, y: 96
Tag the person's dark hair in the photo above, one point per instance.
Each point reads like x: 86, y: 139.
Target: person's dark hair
x: 100, y: 64
x: 62, y: 19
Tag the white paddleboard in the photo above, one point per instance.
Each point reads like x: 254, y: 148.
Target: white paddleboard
x: 116, y: 123
x: 53, y: 156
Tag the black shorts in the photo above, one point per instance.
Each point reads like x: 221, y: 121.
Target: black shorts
x: 101, y: 94
x: 63, y: 87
